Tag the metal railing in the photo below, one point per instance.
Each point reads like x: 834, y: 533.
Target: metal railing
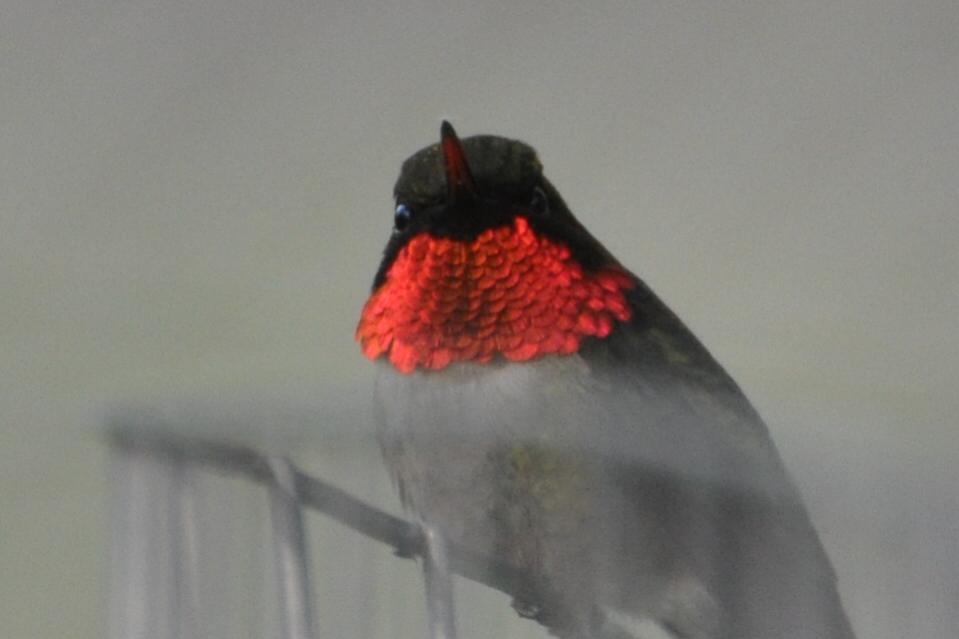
x: 157, y: 471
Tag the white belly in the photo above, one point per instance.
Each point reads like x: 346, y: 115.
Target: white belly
x: 462, y: 442
x: 501, y: 459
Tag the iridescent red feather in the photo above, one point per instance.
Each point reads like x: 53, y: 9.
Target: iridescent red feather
x: 509, y: 292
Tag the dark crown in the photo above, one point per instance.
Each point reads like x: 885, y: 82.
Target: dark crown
x: 498, y: 165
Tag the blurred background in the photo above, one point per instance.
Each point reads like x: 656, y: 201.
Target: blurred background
x: 194, y: 197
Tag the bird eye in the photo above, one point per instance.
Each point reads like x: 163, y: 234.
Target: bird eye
x: 539, y: 204
x: 401, y: 217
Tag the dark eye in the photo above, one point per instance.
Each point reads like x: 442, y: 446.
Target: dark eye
x: 401, y: 217
x: 539, y: 204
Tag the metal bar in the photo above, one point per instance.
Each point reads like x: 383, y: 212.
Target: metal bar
x: 439, y: 586
x: 289, y: 545
x: 185, y: 559
x: 143, y: 586
x: 405, y: 537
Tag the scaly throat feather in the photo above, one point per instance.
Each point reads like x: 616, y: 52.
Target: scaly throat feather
x: 507, y: 292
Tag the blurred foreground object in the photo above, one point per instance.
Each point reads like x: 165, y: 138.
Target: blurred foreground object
x: 163, y: 583
x: 539, y: 404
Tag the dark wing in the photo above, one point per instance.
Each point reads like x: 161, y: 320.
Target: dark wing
x: 699, y: 459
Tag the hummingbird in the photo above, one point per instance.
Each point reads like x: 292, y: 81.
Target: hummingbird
x: 539, y: 404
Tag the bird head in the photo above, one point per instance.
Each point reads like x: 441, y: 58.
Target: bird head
x: 486, y: 262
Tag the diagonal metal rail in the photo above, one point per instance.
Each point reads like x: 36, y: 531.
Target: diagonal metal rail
x: 292, y: 490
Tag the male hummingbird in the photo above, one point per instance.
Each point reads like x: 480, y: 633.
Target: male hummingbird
x: 540, y: 405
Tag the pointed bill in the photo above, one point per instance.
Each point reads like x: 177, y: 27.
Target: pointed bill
x: 459, y: 180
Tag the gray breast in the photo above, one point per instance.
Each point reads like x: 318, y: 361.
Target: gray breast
x: 447, y: 436
x: 514, y: 461
x: 641, y: 497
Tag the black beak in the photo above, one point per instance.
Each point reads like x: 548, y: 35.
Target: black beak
x: 459, y: 180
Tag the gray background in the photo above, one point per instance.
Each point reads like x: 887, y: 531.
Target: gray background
x: 193, y: 197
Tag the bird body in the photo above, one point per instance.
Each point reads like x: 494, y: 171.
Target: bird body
x: 540, y: 405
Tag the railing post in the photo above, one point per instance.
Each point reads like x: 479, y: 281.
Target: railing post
x: 439, y: 585
x: 290, y: 553
x: 153, y: 586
